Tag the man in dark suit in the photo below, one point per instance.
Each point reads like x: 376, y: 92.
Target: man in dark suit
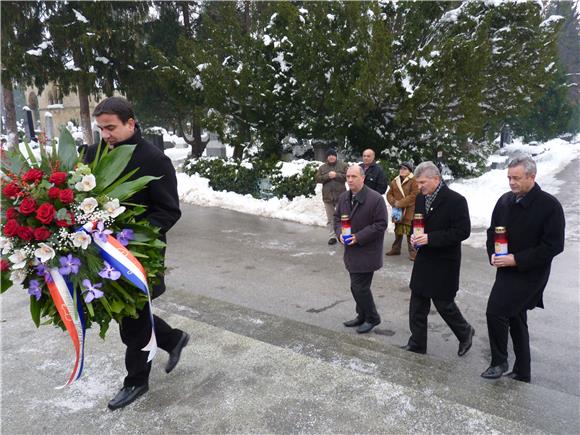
x: 435, y: 273
x: 115, y: 118
x: 534, y: 223
x: 374, y: 175
x: 363, y: 249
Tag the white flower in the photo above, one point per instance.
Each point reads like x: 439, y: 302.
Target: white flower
x: 81, y: 240
x: 18, y: 259
x: 88, y: 205
x: 113, y: 208
x: 5, y: 245
x: 44, y: 252
x: 87, y: 183
x: 18, y: 276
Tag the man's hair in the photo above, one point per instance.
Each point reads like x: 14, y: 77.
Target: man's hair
x: 115, y: 106
x: 427, y: 169
x: 526, y: 161
x: 360, y: 169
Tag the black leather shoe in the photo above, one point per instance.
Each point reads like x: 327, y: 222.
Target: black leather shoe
x: 127, y: 395
x: 175, y: 354
x: 464, y: 346
x: 366, y: 327
x: 516, y: 377
x: 410, y: 348
x: 495, y: 372
x: 353, y: 322
x: 332, y: 241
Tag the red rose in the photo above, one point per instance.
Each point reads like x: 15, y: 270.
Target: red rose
x: 66, y: 222
x: 66, y: 196
x: 28, y: 206
x: 11, y: 213
x: 45, y: 213
x: 53, y: 192
x: 12, y: 190
x: 41, y: 234
x: 32, y: 175
x: 57, y: 178
x: 11, y: 228
x: 26, y: 233
x: 4, y: 265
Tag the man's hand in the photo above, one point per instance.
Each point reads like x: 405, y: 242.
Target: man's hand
x: 503, y: 260
x: 420, y: 240
x: 348, y: 240
x: 332, y: 174
x: 398, y: 204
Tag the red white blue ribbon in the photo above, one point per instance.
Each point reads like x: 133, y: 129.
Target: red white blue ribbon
x: 131, y: 269
x: 62, y: 293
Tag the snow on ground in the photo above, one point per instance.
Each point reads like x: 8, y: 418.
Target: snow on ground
x: 481, y: 192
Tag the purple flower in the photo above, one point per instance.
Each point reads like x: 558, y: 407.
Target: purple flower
x: 92, y: 291
x: 125, y: 236
x: 101, y: 233
x: 34, y: 289
x: 109, y: 272
x: 69, y: 264
x: 42, y: 270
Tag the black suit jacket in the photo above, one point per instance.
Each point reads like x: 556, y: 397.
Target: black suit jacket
x: 437, y: 265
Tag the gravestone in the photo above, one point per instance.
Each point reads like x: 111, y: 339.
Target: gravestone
x: 505, y: 136
x: 29, y: 124
x: 214, y: 147
x: 48, y: 126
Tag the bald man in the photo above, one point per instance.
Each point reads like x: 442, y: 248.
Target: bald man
x: 374, y: 174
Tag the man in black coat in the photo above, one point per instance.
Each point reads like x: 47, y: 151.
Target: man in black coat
x: 374, y: 175
x: 363, y: 249
x: 534, y: 223
x: 435, y: 273
x: 115, y: 118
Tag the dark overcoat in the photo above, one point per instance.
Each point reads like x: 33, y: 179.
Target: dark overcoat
x: 375, y: 178
x: 160, y: 196
x: 535, y: 230
x: 436, y: 268
x: 368, y: 217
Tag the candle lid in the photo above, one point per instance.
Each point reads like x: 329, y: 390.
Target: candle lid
x: 344, y: 217
x: 418, y: 216
x: 500, y: 230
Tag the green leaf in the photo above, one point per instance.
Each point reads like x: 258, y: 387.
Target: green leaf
x: 112, y: 164
x: 120, y: 181
x: 126, y: 190
x: 31, y: 157
x: 67, y: 150
x: 6, y: 283
x: 35, y: 307
x: 90, y: 309
x: 117, y: 306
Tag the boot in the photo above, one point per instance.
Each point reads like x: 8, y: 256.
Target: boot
x: 396, y: 248
x: 412, y: 250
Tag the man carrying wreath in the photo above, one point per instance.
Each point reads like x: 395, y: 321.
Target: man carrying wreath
x: 115, y: 119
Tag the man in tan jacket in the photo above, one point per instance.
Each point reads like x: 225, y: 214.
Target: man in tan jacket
x: 332, y: 175
x: 402, y: 192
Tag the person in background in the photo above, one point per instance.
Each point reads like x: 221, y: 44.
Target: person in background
x: 374, y: 175
x: 435, y: 275
x: 363, y: 247
x: 401, y: 195
x: 534, y: 223
x: 332, y: 176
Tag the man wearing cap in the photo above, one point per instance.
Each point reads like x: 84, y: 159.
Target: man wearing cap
x: 332, y: 175
x: 374, y: 175
x: 401, y: 195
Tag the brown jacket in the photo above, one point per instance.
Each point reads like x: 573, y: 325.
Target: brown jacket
x: 403, y: 195
x: 332, y: 187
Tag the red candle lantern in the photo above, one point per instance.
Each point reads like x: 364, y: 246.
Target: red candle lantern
x: 501, y: 241
x: 345, y: 225
x: 418, y: 226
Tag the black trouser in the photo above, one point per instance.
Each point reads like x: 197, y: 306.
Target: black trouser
x: 419, y: 307
x: 497, y: 328
x: 135, y: 334
x: 360, y: 286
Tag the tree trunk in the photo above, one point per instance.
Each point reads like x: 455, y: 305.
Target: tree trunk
x: 85, y: 113
x: 10, y: 109
x: 186, y: 19
x: 197, y: 145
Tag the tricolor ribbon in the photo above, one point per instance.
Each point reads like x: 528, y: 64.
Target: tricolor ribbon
x: 118, y: 256
x: 63, y: 295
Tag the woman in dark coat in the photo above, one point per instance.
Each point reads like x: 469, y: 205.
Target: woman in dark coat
x: 435, y: 273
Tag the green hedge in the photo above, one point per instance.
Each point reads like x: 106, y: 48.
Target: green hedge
x: 259, y: 178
